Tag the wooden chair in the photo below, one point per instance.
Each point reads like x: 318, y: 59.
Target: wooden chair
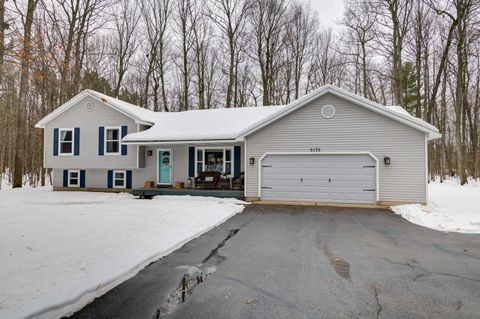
x: 207, y: 179
x: 238, y: 183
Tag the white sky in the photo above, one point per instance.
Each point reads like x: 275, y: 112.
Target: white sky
x: 329, y: 11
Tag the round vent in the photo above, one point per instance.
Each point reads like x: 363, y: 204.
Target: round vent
x: 90, y: 107
x: 328, y: 111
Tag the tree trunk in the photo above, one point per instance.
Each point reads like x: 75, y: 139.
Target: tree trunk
x: 2, y: 37
x: 459, y: 95
x: 22, y: 97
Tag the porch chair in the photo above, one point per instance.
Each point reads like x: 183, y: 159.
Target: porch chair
x: 207, y: 179
x: 239, y: 182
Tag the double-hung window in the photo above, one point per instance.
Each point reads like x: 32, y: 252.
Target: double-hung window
x: 73, y: 178
x: 214, y: 159
x: 119, y: 179
x: 112, y: 140
x: 66, y: 142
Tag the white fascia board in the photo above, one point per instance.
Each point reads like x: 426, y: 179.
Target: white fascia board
x: 76, y: 99
x: 173, y: 142
x: 66, y: 106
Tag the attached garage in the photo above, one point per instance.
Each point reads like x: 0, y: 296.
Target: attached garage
x: 332, y: 146
x: 319, y: 177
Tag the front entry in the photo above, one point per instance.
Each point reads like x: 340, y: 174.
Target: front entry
x: 164, y: 167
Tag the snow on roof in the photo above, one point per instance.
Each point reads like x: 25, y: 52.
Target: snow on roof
x: 394, y: 113
x: 132, y: 110
x: 402, y: 112
x: 212, y: 124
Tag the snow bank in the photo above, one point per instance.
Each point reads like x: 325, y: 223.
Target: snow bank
x: 60, y: 250
x: 451, y: 207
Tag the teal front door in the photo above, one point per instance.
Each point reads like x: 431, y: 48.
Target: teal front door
x: 165, y: 167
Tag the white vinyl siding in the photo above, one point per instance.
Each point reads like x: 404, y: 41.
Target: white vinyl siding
x: 89, y: 123
x: 97, y: 177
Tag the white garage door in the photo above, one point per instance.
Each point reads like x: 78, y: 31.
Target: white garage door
x: 339, y: 178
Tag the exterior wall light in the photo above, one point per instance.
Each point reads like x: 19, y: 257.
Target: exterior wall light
x: 149, y: 153
x: 251, y: 160
x: 386, y: 160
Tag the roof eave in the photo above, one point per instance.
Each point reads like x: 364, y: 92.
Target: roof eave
x: 370, y: 105
x: 185, y: 141
x: 66, y: 106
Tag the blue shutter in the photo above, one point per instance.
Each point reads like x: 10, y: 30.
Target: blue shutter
x: 55, y: 142
x: 110, y: 179
x: 101, y: 141
x: 82, y: 178
x: 129, y: 179
x: 236, y: 161
x: 191, y: 161
x: 65, y: 178
x: 76, y: 142
x: 124, y: 132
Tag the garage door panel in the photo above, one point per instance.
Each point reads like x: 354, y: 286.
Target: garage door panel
x: 319, y: 177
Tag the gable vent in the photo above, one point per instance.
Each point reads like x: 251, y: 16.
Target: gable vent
x: 328, y: 111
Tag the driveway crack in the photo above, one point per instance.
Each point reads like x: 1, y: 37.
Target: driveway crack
x: 379, y: 305
x: 214, y: 252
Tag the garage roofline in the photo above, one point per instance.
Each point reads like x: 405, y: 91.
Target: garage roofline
x: 411, y: 121
x: 377, y: 170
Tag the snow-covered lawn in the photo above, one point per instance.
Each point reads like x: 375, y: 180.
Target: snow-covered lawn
x: 60, y: 250
x: 451, y: 207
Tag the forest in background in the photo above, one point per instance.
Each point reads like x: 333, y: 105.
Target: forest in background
x: 176, y: 55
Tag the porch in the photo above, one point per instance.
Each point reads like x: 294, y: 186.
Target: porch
x: 220, y: 193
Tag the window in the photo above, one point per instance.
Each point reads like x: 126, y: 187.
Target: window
x: 119, y: 178
x: 112, y: 140
x: 214, y: 159
x: 66, y: 142
x: 73, y: 178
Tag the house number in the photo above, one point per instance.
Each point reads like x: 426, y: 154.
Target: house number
x: 315, y: 149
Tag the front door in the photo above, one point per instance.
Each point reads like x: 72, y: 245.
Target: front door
x: 165, y: 166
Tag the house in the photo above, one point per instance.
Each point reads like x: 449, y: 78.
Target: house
x: 328, y: 146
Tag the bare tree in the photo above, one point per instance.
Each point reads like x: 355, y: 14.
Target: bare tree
x: 361, y: 18
x: 125, y: 41
x: 230, y: 16
x: 22, y: 97
x: 268, y: 20
x: 185, y: 23
x: 156, y: 15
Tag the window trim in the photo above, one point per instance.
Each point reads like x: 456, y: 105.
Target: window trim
x: 60, y: 130
x: 124, y: 172
x: 224, y: 148
x: 119, y: 128
x: 69, y: 177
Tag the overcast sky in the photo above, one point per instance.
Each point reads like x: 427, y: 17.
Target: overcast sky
x: 328, y: 11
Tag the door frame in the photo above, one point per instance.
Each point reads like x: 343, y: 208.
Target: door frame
x: 158, y: 166
x: 377, y: 175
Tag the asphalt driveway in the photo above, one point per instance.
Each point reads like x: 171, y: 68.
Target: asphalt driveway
x: 307, y: 262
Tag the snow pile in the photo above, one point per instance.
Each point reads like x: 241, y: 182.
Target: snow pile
x: 5, y: 182
x: 451, y: 207
x: 60, y: 250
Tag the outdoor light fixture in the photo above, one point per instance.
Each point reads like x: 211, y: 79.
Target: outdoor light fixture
x: 251, y: 160
x: 149, y: 153
x: 386, y: 160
